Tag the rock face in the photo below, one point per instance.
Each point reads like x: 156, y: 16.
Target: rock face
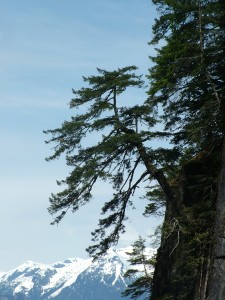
x: 184, y: 260
x: 217, y: 284
x: 75, y: 278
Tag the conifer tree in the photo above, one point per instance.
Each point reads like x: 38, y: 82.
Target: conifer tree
x: 186, y: 94
x: 140, y: 271
x: 187, y: 84
x: 187, y: 78
x: 122, y: 154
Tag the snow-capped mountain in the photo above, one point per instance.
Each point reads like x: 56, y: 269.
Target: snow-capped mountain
x: 74, y: 278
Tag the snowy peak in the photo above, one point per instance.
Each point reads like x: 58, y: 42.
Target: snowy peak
x: 65, y: 275
x: 73, y: 278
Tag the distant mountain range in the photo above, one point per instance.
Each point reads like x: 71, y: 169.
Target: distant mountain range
x: 72, y: 279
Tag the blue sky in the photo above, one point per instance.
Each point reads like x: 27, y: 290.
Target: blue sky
x: 46, y: 48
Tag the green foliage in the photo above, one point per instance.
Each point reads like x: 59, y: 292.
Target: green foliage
x: 121, y: 154
x: 186, y: 94
x: 186, y: 79
x: 187, y: 85
x: 141, y: 280
x: 156, y: 200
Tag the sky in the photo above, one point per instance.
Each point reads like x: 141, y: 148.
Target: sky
x: 46, y: 48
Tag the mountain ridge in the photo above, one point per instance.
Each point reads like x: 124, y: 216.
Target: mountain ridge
x: 73, y: 278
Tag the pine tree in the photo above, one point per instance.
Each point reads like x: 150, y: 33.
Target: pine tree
x: 187, y: 86
x: 186, y: 94
x: 140, y: 271
x: 122, y: 154
x: 187, y: 78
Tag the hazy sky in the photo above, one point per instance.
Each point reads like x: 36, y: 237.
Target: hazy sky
x: 46, y: 48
